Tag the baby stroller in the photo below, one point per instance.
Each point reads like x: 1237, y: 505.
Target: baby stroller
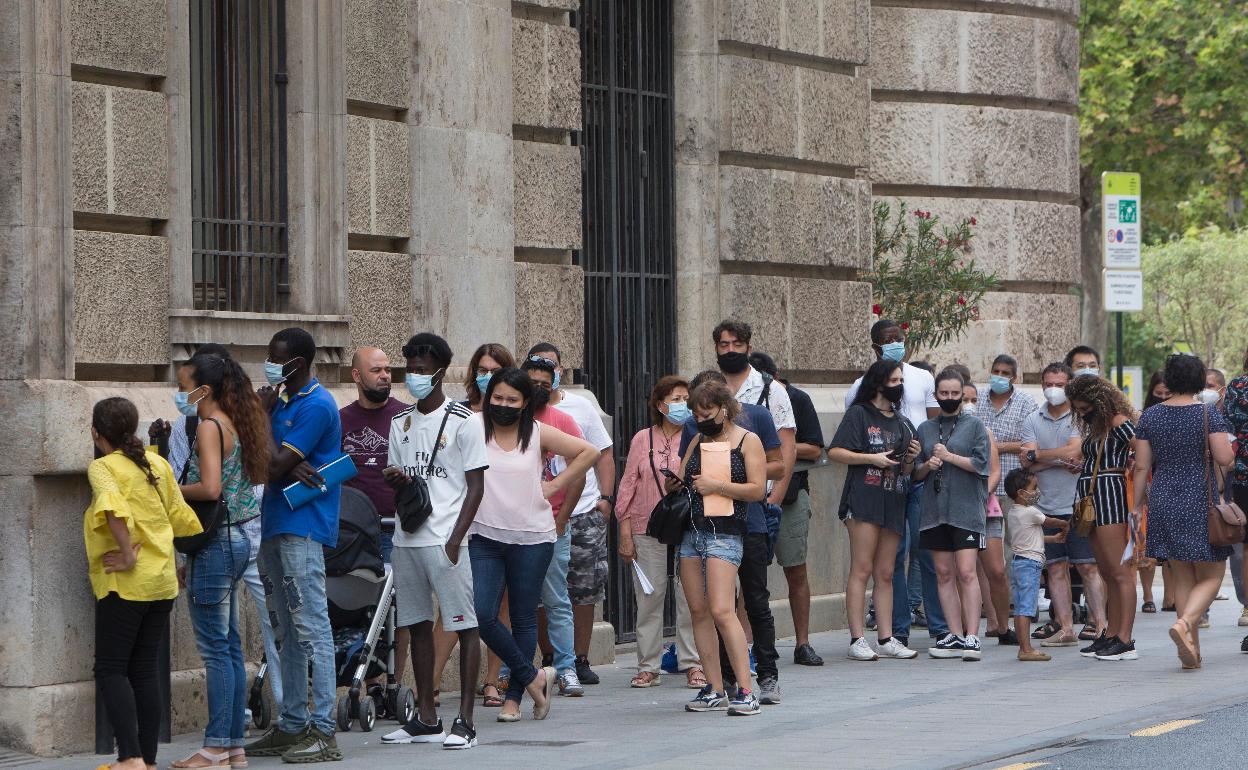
x: 360, y: 590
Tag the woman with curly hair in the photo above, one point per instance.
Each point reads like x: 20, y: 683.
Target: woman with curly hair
x: 229, y: 456
x: 1103, y: 414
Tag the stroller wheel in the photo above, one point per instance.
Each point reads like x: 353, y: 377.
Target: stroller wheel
x: 368, y: 714
x: 405, y: 705
x: 260, y: 713
x: 343, y: 713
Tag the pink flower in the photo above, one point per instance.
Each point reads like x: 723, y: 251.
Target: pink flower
x: 973, y: 222
x: 961, y: 300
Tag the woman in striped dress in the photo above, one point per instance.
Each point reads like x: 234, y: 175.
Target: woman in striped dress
x: 1104, y: 415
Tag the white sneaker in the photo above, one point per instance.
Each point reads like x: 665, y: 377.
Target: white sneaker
x: 570, y: 685
x: 895, y: 649
x: 971, y: 650
x: 861, y: 650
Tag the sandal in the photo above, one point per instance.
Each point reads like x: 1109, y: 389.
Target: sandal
x: 1181, y: 635
x: 238, y: 759
x: 1149, y: 608
x: 1045, y: 631
x: 695, y: 679
x: 1088, y: 633
x: 492, y: 701
x: 208, y: 760
x: 645, y: 679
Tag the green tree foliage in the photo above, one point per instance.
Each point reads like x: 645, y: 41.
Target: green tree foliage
x: 1194, y: 290
x: 1164, y: 91
x: 924, y: 275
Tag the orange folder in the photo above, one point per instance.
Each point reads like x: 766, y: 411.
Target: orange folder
x: 717, y: 466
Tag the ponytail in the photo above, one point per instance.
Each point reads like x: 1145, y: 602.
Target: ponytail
x: 116, y: 420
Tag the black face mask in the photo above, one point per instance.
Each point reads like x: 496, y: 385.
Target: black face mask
x: 710, y: 428
x: 379, y: 396
x: 893, y: 393
x: 950, y: 405
x: 732, y: 363
x: 504, y: 415
x: 541, y: 396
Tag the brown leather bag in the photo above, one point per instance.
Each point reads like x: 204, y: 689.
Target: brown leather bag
x: 1226, y: 520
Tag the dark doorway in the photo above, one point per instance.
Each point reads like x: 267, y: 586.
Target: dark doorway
x: 629, y: 224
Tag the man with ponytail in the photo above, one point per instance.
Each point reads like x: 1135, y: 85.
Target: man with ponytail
x: 307, y: 434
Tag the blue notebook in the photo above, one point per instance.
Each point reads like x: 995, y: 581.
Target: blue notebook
x: 334, y: 473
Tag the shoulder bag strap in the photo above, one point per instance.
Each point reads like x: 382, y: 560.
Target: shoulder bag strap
x: 653, y: 471
x: 446, y: 415
x: 1215, y: 495
x: 1096, y: 464
x: 193, y: 437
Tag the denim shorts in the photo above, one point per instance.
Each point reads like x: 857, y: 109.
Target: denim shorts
x: 1025, y: 585
x: 995, y: 528
x: 709, y: 545
x: 1077, y: 549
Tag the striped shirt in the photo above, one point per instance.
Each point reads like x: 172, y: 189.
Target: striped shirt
x: 1006, y: 425
x: 1110, y: 498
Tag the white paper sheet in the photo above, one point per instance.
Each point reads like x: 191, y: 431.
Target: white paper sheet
x: 647, y: 587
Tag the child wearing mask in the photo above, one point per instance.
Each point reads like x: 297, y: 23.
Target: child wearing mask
x: 1027, y: 539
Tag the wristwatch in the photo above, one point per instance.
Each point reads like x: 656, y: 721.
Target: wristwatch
x: 608, y: 498
x: 1031, y: 455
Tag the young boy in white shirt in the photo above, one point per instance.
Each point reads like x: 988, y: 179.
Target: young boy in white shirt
x: 1027, y: 539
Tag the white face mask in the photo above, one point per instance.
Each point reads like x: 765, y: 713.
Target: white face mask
x: 1091, y: 370
x: 1208, y: 396
x: 1055, y: 396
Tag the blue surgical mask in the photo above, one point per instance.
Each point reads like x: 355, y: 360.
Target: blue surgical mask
x: 483, y: 382
x: 554, y: 385
x: 999, y: 384
x: 893, y: 351
x: 1091, y: 370
x: 275, y: 373
x: 182, y: 402
x: 420, y: 385
x: 678, y: 412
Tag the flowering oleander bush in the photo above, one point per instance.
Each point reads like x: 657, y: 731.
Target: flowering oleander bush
x: 924, y: 276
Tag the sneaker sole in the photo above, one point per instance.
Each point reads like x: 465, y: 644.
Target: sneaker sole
x: 324, y: 756
x: 972, y: 657
x: 1133, y: 655
x: 862, y: 660
x: 572, y: 694
x: 943, y: 654
x: 742, y: 712
x: 911, y: 656
x: 415, y: 739
x: 472, y: 744
x: 703, y: 710
x: 769, y: 701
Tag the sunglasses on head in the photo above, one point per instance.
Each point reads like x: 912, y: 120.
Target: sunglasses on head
x: 544, y: 361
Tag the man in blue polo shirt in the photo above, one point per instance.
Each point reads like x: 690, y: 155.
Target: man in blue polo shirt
x: 307, y: 434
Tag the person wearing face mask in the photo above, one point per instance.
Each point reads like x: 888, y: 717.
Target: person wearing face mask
x: 230, y: 453
x: 652, y: 451
x: 307, y: 434
x: 512, y: 539
x: 1082, y: 360
x: 1215, y: 389
x: 1050, y: 450
x: 1157, y: 393
x: 557, y: 621
x: 1027, y: 541
x: 712, y: 549
x: 878, y: 444
x: 1002, y: 413
x: 918, y: 405
x: 486, y: 361
x: 955, y: 460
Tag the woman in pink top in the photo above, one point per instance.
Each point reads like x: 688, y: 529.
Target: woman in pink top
x: 513, y: 536
x: 652, y: 451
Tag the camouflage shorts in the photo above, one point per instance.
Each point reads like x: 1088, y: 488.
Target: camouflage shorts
x: 587, y: 571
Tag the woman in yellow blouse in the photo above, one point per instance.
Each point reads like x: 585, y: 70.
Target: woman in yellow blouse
x: 136, y: 511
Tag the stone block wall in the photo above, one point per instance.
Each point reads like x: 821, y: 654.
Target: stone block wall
x: 546, y: 108
x: 973, y: 114
x: 772, y: 198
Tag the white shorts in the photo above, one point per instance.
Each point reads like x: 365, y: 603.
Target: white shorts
x: 421, y: 572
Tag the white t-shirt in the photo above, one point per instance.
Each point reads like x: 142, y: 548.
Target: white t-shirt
x: 587, y: 419
x: 462, y: 442
x: 778, y: 402
x: 1026, y: 526
x: 918, y: 393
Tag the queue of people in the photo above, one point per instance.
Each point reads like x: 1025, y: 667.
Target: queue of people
x: 515, y: 488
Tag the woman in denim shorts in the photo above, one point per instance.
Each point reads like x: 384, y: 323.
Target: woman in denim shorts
x: 711, y: 550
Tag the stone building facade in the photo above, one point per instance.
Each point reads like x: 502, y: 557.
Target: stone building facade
x: 433, y: 178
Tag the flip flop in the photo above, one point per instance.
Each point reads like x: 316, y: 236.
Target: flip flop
x: 214, y: 760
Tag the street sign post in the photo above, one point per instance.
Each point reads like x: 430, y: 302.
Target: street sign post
x: 1120, y: 249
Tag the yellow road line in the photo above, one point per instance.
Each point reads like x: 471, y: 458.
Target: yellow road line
x: 1024, y: 766
x: 1165, y: 727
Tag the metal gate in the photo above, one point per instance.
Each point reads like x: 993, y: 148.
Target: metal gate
x: 238, y: 145
x: 629, y: 225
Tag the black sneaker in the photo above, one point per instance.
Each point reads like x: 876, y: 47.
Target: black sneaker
x: 1099, y: 644
x: 416, y: 731
x: 1008, y: 638
x: 1243, y: 646
x: 461, y: 736
x: 949, y: 646
x: 806, y: 656
x: 920, y: 618
x: 584, y: 672
x: 1118, y: 650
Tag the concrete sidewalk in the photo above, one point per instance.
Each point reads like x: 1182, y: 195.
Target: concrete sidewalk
x: 923, y: 713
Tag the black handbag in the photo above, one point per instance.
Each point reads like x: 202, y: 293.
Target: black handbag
x: 670, y: 517
x: 210, y: 512
x: 411, y: 501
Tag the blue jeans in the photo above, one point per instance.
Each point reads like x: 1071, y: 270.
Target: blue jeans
x: 255, y: 587
x: 559, y: 625
x: 908, y: 547
x: 212, y: 586
x: 521, y: 570
x: 293, y: 570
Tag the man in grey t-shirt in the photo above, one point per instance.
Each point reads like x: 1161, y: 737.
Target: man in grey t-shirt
x: 1050, y: 449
